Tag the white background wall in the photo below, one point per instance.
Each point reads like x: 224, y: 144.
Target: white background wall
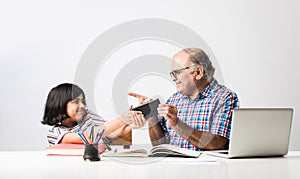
x: 41, y: 42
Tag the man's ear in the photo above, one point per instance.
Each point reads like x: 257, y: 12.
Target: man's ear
x: 200, y: 72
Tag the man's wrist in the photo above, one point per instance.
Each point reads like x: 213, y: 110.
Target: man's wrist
x: 183, y: 129
x: 152, y: 121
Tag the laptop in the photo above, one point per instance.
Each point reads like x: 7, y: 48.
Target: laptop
x: 258, y: 132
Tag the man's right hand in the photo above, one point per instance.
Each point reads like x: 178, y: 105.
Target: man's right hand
x: 142, y: 99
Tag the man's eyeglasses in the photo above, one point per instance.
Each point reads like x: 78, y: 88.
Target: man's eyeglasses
x: 174, y: 73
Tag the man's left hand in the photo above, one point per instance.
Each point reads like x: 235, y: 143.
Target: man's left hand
x: 169, y: 112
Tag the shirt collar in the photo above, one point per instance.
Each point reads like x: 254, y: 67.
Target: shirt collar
x: 206, y: 92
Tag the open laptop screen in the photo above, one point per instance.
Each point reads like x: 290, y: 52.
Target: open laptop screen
x: 260, y: 132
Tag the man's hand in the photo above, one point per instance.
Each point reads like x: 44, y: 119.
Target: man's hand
x: 169, y: 112
x: 142, y: 99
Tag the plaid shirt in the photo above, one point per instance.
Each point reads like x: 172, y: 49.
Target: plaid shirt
x: 211, y: 111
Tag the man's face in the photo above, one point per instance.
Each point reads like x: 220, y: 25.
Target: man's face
x: 185, y: 80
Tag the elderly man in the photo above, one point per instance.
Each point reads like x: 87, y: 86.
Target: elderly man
x: 198, y: 116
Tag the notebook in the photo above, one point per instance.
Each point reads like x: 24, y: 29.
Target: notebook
x: 258, y: 132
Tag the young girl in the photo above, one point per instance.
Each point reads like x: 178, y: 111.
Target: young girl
x: 66, y: 111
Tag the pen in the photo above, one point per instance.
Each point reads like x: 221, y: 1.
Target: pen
x: 99, y: 137
x: 96, y: 138
x: 92, y: 134
x: 107, y: 146
x: 107, y: 141
x: 81, y: 137
x: 86, y: 138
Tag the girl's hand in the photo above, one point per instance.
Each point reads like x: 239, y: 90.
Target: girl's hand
x: 138, y: 120
x: 130, y: 117
x: 135, y: 119
x: 127, y: 117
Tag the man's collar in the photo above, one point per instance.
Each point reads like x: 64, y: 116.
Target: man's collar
x: 206, y: 92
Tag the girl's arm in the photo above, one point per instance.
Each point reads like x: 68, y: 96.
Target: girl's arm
x: 71, y: 137
x: 116, y: 128
x: 124, y: 124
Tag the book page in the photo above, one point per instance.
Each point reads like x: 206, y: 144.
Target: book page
x: 162, y: 150
x: 119, y: 151
x: 167, y: 149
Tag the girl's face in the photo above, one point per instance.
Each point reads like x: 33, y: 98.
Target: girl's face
x: 76, y: 108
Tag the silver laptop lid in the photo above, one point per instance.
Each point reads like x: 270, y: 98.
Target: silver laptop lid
x: 260, y: 132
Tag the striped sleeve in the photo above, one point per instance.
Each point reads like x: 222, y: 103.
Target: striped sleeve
x: 55, y: 135
x: 91, y: 119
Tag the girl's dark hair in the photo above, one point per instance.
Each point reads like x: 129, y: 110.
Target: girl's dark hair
x: 56, y: 104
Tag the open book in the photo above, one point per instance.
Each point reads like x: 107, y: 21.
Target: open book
x: 163, y: 150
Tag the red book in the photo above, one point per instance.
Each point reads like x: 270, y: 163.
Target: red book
x: 65, y: 150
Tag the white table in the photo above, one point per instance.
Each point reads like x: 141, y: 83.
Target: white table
x: 35, y: 164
